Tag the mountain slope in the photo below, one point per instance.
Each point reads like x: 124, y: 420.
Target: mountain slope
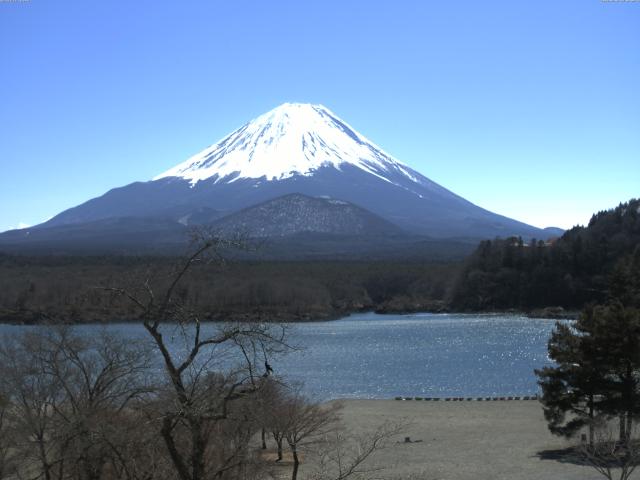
x: 293, y: 148
x: 295, y: 214
x: 296, y: 148
x: 121, y: 235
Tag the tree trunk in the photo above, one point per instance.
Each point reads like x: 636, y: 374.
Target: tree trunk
x: 629, y: 391
x: 174, y: 454
x: 263, y: 434
x: 623, y: 434
x: 46, y: 468
x: 198, y: 448
x: 591, y: 416
x: 279, y: 443
x: 296, y: 463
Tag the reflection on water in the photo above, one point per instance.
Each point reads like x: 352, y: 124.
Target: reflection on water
x: 429, y: 355
x: 382, y: 356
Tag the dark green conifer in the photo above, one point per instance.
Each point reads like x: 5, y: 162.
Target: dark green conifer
x: 597, y: 372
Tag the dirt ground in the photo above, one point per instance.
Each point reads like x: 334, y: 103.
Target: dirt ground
x: 506, y: 440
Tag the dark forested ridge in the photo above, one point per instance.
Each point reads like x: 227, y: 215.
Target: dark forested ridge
x: 72, y: 289
x: 587, y: 264
x: 573, y: 270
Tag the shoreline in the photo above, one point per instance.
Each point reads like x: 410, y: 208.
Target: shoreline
x: 31, y: 318
x: 512, y: 398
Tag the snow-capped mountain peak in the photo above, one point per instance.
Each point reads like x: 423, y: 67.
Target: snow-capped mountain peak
x: 292, y: 139
x: 295, y: 149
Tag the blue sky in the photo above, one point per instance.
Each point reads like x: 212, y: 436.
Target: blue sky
x: 529, y: 109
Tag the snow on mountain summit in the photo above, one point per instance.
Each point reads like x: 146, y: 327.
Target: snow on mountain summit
x: 295, y: 149
x: 292, y: 139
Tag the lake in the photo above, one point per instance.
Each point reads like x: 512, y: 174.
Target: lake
x: 427, y: 355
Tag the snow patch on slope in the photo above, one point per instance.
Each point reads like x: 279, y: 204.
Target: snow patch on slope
x: 292, y: 139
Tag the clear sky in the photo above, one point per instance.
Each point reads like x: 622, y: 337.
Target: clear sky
x: 529, y: 109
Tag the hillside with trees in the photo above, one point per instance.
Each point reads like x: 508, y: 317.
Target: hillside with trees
x: 570, y: 272
x: 71, y: 289
x: 593, y: 387
x: 502, y: 274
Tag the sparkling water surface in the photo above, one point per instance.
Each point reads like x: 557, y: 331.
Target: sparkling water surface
x: 429, y: 355
x: 382, y: 356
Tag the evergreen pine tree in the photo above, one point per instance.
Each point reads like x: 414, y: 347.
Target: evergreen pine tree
x: 570, y: 390
x: 597, y: 372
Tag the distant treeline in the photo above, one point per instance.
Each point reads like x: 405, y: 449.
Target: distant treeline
x: 77, y: 289
x: 574, y: 270
x: 503, y: 274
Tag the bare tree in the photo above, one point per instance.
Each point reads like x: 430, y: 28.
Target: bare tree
x: 31, y: 396
x: 608, y: 454
x: 6, y: 463
x: 135, y: 450
x: 270, y: 414
x: 306, y: 423
x: 197, y: 400
x: 100, y: 377
x: 67, y: 393
x: 342, y: 456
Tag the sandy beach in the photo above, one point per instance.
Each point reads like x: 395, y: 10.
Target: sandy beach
x: 465, y: 440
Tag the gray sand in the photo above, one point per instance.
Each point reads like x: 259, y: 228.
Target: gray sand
x: 466, y: 440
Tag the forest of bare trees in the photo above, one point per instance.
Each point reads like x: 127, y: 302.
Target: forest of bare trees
x: 187, y: 401
x: 38, y: 289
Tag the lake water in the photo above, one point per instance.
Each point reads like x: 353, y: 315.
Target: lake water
x: 428, y: 355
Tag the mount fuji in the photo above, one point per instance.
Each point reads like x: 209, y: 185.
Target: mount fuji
x: 293, y: 149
